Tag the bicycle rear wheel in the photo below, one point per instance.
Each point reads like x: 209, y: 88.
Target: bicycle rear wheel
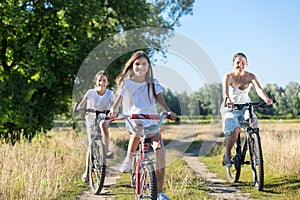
x: 234, y: 171
x: 97, y: 167
x: 148, y: 185
x: 256, y: 160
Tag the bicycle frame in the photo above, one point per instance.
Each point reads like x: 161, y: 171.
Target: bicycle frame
x: 97, y: 160
x: 141, y: 157
x: 251, y: 144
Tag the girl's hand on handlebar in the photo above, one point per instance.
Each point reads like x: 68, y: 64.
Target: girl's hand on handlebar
x: 81, y: 110
x: 172, y: 115
x: 112, y: 114
x: 230, y: 105
x: 269, y: 101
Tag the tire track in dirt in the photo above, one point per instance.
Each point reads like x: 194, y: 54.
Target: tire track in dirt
x: 219, y: 189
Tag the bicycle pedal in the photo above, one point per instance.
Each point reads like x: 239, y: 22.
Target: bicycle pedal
x: 247, y: 162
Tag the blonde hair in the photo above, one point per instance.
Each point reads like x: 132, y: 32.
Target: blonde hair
x: 128, y: 72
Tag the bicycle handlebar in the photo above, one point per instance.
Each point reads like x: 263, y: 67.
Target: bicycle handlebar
x: 89, y: 110
x: 159, y: 117
x: 260, y: 104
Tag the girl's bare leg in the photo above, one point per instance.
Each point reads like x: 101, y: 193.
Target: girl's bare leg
x: 132, y: 146
x: 229, y: 142
x: 105, y: 135
x: 160, y: 168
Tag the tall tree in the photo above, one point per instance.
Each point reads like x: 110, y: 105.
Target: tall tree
x: 292, y: 91
x: 43, y: 43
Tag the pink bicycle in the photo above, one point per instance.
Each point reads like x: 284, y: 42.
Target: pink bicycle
x: 143, y: 177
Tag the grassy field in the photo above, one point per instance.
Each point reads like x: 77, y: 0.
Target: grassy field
x: 280, y: 143
x: 46, y: 168
x: 51, y: 165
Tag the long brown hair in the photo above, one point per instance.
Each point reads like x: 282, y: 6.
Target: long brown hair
x: 128, y: 72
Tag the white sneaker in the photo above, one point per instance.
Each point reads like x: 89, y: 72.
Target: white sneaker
x: 162, y: 196
x: 125, y: 167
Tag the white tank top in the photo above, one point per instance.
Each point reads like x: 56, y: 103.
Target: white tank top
x: 237, y: 95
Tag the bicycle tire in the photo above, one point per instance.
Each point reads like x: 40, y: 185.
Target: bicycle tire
x: 97, y: 167
x: 256, y: 161
x: 234, y: 171
x: 148, y: 184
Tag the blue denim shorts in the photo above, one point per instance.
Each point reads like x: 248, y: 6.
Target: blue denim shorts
x: 234, y: 118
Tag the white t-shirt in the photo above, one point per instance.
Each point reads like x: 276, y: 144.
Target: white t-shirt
x: 136, y: 100
x: 97, y: 102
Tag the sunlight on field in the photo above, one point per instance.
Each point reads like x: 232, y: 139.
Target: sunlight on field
x: 42, y: 169
x: 281, y: 149
x: 51, y: 165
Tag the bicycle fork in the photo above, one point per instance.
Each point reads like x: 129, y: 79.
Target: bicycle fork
x: 136, y: 174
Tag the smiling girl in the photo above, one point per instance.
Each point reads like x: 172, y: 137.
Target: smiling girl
x: 138, y: 92
x: 236, y: 86
x: 98, y: 98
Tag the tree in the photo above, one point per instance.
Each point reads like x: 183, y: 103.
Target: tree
x: 292, y: 91
x: 43, y: 43
x: 183, y: 101
x: 215, y: 94
x: 172, y: 101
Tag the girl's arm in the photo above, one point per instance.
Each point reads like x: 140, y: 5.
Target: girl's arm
x: 163, y: 103
x: 115, y: 107
x: 261, y: 93
x: 225, y: 88
x: 82, y: 104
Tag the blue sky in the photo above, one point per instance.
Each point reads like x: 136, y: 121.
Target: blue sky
x: 268, y: 32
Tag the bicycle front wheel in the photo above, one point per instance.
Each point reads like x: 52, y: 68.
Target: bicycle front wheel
x: 234, y: 171
x: 97, y: 167
x: 147, y: 184
x: 256, y: 160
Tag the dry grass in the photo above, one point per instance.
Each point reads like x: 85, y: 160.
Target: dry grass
x: 42, y: 169
x: 48, y: 168
x: 281, y: 149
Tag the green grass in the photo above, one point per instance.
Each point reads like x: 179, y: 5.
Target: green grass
x: 180, y: 183
x: 279, y: 187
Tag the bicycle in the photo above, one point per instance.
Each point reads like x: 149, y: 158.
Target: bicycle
x: 143, y: 176
x: 97, y: 160
x: 252, y: 143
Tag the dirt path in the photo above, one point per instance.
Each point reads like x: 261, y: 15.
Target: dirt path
x: 219, y: 189
x: 110, y: 179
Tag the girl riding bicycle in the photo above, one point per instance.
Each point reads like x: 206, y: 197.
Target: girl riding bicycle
x: 98, y: 98
x: 138, y: 92
x: 236, y: 86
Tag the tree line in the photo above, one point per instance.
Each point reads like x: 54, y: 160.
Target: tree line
x: 208, y: 99
x: 43, y: 44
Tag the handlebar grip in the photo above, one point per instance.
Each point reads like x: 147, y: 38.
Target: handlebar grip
x: 145, y: 116
x: 176, y: 120
x: 273, y: 98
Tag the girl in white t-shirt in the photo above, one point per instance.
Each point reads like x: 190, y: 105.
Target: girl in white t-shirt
x: 138, y: 92
x: 98, y: 98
